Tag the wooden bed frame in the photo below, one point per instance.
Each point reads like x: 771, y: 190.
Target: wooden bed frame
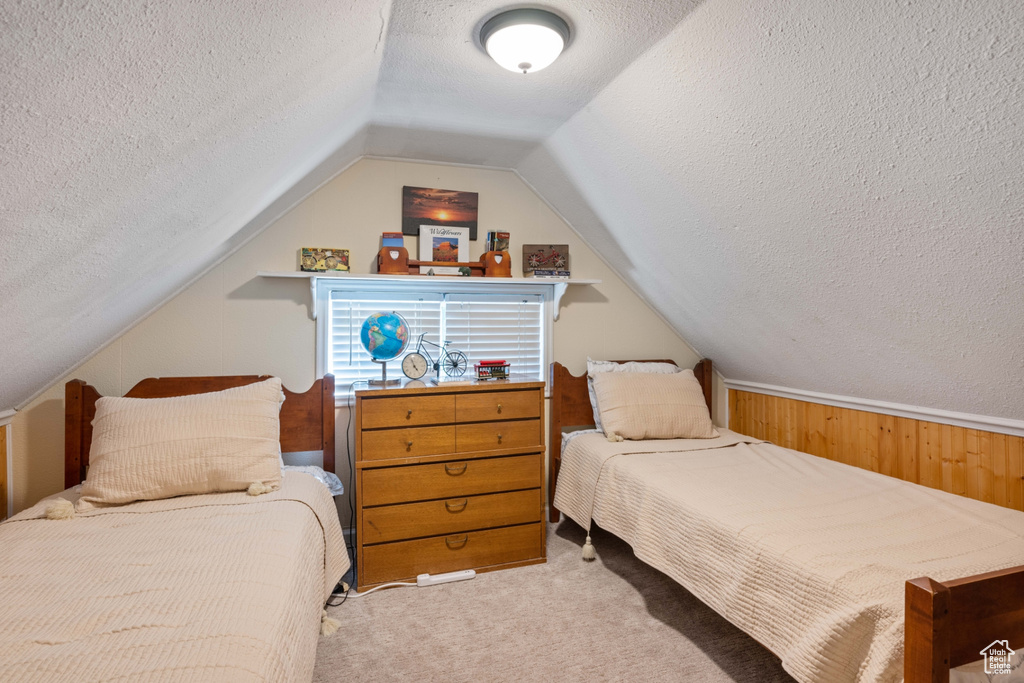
x: 307, y: 419
x: 570, y: 407
x: 947, y: 624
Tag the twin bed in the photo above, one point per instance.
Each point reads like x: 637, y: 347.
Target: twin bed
x: 217, y: 586
x: 816, y: 560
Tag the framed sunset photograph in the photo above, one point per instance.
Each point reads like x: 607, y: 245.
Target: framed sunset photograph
x: 448, y: 208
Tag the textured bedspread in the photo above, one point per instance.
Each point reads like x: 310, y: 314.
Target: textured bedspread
x: 806, y: 555
x: 220, y: 587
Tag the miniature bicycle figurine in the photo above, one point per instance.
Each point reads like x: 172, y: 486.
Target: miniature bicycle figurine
x: 415, y: 364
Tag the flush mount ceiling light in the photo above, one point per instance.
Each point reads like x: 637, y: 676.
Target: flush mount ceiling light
x: 524, y: 40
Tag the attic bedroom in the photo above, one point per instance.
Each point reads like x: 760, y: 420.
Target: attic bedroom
x: 396, y: 339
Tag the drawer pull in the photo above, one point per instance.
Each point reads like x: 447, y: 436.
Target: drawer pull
x: 408, y: 416
x: 455, y: 470
x: 499, y: 408
x: 457, y: 541
x: 408, y: 445
x: 499, y: 438
x: 456, y: 506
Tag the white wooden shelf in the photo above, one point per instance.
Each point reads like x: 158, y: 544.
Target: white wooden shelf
x: 558, y: 286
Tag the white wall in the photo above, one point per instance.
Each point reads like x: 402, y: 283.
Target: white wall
x: 232, y: 322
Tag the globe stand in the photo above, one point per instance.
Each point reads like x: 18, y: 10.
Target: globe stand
x: 383, y: 381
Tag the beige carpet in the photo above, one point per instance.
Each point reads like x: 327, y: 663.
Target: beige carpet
x: 615, y: 619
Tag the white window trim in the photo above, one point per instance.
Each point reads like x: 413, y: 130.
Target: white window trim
x: 324, y: 286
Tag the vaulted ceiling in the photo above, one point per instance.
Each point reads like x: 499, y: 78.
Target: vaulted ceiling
x: 825, y: 196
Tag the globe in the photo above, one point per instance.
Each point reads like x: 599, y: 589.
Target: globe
x: 384, y: 335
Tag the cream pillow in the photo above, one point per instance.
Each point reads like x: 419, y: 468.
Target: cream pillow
x: 151, y: 448
x: 653, y: 406
x: 595, y: 367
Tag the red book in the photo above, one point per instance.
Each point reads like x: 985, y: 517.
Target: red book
x: 493, y: 362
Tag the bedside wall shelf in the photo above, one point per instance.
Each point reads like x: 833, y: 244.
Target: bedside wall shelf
x: 558, y: 287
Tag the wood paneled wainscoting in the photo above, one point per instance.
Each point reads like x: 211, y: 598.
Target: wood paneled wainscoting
x: 982, y: 465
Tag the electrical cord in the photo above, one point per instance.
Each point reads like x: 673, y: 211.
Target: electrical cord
x: 349, y: 594
x: 350, y: 539
x: 343, y: 593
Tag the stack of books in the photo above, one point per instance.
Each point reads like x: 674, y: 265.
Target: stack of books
x: 552, y: 274
x: 497, y: 241
x: 392, y: 239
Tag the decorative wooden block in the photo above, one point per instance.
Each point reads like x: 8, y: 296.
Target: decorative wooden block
x: 393, y: 261
x: 497, y: 264
x: 396, y: 261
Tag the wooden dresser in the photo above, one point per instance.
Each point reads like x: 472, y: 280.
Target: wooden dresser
x: 448, y: 478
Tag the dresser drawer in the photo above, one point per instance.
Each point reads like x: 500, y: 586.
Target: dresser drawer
x: 407, y: 443
x: 435, y: 517
x: 486, y: 436
x: 406, y: 411
x: 475, y: 549
x: 497, y: 405
x: 389, y: 485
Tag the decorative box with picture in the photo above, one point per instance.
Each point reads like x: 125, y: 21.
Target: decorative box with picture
x: 322, y: 260
x: 546, y: 260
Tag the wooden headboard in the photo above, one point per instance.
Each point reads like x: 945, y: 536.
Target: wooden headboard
x: 570, y: 407
x: 307, y: 419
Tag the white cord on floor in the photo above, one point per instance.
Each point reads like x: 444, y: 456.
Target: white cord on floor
x: 383, y: 585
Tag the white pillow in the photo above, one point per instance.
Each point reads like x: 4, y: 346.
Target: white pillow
x: 639, y: 406
x: 152, y: 448
x: 595, y: 367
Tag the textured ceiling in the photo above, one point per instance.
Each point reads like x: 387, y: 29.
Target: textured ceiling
x: 140, y: 139
x: 825, y: 196
x: 435, y: 77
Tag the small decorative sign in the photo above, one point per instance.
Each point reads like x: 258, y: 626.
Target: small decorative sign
x: 545, y: 257
x: 321, y: 259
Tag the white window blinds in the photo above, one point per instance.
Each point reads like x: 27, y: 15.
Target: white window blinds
x: 484, y: 326
x: 498, y: 327
x: 347, y: 360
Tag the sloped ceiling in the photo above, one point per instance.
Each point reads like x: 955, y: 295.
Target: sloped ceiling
x: 825, y: 196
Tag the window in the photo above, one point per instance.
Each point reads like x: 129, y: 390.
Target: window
x: 486, y: 322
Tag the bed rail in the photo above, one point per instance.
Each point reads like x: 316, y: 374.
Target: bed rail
x: 949, y: 624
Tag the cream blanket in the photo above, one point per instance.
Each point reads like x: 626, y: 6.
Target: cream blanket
x: 218, y: 587
x: 807, y: 555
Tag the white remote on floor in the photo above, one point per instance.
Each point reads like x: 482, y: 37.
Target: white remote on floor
x: 428, y: 580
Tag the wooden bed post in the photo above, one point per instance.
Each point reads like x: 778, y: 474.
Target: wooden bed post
x: 702, y: 371
x: 327, y: 397
x: 926, y: 639
x: 73, y: 433
x: 555, y: 434
x: 79, y: 410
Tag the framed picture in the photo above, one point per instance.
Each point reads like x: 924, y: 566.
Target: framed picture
x: 545, y: 257
x: 444, y: 244
x: 450, y: 208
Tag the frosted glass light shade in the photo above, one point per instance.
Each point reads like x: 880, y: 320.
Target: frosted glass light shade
x: 524, y: 40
